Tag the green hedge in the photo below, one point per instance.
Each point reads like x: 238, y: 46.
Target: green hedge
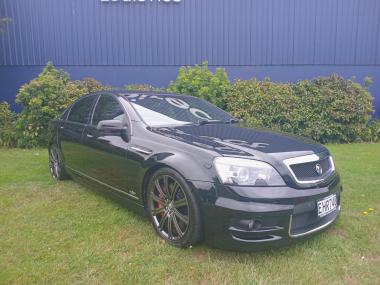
x: 327, y: 109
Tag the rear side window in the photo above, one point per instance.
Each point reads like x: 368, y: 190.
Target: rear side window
x: 81, y: 111
x: 107, y: 108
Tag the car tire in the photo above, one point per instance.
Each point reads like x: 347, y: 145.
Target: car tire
x: 57, y: 168
x: 173, y: 209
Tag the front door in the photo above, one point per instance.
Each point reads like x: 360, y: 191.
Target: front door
x: 106, y: 150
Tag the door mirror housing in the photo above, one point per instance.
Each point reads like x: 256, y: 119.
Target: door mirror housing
x: 111, y: 125
x: 114, y: 127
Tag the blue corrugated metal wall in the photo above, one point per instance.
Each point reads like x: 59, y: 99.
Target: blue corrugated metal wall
x: 232, y: 33
x: 238, y: 32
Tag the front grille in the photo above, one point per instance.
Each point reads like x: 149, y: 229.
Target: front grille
x: 308, y: 170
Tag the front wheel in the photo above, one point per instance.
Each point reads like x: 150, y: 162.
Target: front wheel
x: 173, y: 209
x: 57, y: 169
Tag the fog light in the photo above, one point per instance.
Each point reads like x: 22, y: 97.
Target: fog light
x: 249, y: 225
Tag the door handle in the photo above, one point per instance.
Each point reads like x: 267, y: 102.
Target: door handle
x: 61, y: 127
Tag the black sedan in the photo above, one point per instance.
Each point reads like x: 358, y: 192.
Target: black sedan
x: 195, y: 171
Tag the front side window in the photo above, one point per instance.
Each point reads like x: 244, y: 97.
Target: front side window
x: 107, y: 108
x: 81, y: 111
x: 165, y: 110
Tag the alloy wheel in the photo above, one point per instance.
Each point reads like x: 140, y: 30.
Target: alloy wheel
x: 170, y: 208
x: 54, y: 163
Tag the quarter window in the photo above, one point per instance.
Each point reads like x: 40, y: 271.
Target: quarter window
x: 81, y: 111
x: 108, y: 108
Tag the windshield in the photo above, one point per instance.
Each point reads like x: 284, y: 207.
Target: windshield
x: 166, y: 110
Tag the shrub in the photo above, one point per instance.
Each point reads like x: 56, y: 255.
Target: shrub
x: 372, y: 132
x: 327, y: 109
x: 199, y: 81
x: 264, y: 104
x: 43, y: 99
x: 93, y: 85
x: 143, y: 87
x: 7, y: 126
x: 75, y: 89
x: 333, y: 109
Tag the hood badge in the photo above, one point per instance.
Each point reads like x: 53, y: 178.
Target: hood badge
x: 318, y: 169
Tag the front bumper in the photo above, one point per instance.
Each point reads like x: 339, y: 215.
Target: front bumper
x: 270, y: 217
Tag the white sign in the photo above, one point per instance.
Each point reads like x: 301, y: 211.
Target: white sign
x: 141, y: 1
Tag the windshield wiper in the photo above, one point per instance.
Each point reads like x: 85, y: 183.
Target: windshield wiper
x: 206, y: 122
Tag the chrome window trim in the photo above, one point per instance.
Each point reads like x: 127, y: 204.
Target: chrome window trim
x: 305, y: 159
x: 93, y: 111
x: 312, y: 230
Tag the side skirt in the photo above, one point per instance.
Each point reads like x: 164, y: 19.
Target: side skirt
x: 108, y: 192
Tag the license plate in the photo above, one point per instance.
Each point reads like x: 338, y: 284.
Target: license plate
x: 326, y: 205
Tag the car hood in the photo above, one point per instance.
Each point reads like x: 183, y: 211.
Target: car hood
x: 236, y: 140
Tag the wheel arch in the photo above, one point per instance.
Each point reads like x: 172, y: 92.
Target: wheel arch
x: 148, y: 175
x: 187, y: 167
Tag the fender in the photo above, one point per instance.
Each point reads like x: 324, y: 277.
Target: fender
x: 195, y: 169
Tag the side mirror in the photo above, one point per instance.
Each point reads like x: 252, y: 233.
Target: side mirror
x: 111, y: 125
x: 114, y: 127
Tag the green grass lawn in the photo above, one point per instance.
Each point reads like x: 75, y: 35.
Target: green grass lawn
x: 63, y: 233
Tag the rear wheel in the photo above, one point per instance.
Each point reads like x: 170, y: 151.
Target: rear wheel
x: 173, y: 209
x: 57, y: 169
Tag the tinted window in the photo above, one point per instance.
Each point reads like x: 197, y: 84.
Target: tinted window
x: 81, y: 111
x: 176, y: 110
x: 108, y: 108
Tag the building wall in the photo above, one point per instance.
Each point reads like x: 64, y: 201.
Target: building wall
x: 122, y: 43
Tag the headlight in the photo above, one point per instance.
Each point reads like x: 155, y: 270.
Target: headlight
x: 247, y: 172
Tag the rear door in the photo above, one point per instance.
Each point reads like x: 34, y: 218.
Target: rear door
x: 70, y: 132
